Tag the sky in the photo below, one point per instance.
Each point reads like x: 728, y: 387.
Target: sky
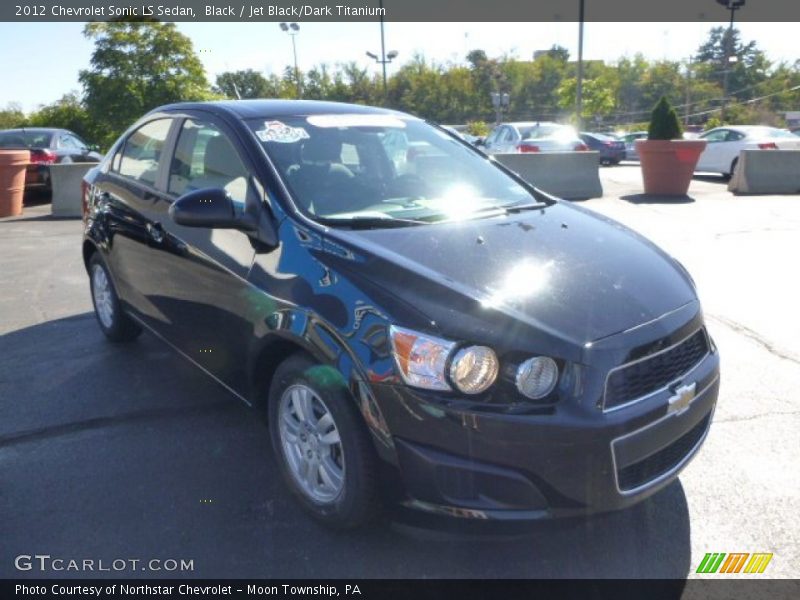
x: 42, y: 60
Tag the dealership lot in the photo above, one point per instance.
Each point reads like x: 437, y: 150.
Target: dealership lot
x: 128, y: 452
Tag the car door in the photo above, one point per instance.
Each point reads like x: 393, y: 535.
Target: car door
x: 123, y: 197
x: 491, y: 139
x: 711, y: 157
x: 200, y: 274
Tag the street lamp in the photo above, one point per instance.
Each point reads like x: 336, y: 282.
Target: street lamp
x: 385, y: 58
x: 293, y: 29
x: 500, y: 102
x: 579, y: 83
x: 732, y: 6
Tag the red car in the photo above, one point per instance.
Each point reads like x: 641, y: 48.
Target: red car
x: 47, y: 147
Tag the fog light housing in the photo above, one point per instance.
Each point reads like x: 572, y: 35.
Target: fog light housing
x: 536, y: 377
x: 473, y: 369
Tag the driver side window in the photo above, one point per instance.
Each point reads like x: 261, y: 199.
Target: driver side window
x: 206, y: 158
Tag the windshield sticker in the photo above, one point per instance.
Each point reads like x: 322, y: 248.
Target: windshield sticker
x: 356, y: 121
x: 275, y: 131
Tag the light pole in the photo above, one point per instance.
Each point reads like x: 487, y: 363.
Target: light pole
x: 293, y: 29
x: 500, y: 102
x: 579, y: 86
x: 732, y: 6
x: 385, y: 58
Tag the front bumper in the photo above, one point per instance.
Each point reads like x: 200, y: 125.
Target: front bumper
x: 574, y: 460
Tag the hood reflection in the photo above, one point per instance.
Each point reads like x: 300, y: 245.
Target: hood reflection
x: 522, y: 281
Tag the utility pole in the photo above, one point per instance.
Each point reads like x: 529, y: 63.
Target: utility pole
x: 732, y: 6
x: 385, y: 58
x: 293, y: 29
x: 579, y: 87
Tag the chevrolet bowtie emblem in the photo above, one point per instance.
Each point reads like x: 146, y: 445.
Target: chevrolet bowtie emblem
x: 682, y: 398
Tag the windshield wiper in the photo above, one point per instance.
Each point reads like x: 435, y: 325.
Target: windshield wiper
x: 371, y: 222
x: 515, y: 208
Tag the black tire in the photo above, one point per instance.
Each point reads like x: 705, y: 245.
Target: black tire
x: 733, y: 167
x: 115, y: 325
x: 358, y: 502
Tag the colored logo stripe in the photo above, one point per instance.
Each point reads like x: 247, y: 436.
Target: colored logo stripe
x: 758, y: 562
x: 735, y: 561
x: 711, y: 562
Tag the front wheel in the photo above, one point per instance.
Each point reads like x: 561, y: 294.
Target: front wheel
x: 115, y: 324
x: 322, y: 446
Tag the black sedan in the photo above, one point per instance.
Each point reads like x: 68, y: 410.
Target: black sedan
x: 611, y: 150
x: 423, y: 328
x: 47, y: 147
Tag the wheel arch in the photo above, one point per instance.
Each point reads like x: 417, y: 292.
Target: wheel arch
x: 300, y: 334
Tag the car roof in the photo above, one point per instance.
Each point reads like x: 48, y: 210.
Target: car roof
x: 531, y: 123
x: 254, y: 109
x: 35, y: 130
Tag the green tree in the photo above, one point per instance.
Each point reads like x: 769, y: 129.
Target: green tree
x: 248, y: 83
x: 66, y: 113
x: 12, y: 116
x: 134, y: 68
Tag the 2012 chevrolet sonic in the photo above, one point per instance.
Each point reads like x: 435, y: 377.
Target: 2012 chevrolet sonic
x: 419, y: 324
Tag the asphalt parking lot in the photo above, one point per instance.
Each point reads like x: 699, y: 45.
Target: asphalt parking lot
x: 111, y: 452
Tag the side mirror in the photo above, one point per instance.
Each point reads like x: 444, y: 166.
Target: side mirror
x: 479, y: 142
x: 209, y: 207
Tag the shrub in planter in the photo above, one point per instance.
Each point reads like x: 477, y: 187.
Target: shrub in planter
x: 667, y: 161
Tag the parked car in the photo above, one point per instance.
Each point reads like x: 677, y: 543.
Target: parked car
x: 434, y: 332
x: 611, y: 150
x: 724, y: 144
x: 795, y: 130
x: 533, y: 137
x: 47, y: 147
x: 629, y: 139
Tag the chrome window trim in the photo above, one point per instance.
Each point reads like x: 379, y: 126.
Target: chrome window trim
x: 677, y: 467
x: 648, y: 357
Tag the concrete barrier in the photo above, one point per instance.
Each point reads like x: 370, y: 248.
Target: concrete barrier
x: 66, y: 181
x: 570, y: 175
x: 766, y: 172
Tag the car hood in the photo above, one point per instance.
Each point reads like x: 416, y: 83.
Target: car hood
x: 563, y: 270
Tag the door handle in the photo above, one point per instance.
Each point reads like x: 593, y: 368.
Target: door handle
x: 156, y: 232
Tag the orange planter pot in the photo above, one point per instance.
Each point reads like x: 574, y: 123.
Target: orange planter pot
x: 12, y: 181
x: 668, y: 165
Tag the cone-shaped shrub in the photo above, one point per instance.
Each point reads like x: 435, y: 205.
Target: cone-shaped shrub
x: 664, y: 123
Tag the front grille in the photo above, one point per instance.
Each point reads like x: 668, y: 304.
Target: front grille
x: 643, y: 377
x: 665, y: 460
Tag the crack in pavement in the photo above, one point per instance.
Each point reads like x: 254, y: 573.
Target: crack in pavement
x: 758, y: 416
x: 755, y: 336
x: 53, y: 431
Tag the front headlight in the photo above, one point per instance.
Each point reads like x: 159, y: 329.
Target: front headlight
x: 432, y: 363
x: 537, y: 377
x: 474, y: 369
x: 421, y: 359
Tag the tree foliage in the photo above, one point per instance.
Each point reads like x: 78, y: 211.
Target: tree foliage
x: 135, y: 67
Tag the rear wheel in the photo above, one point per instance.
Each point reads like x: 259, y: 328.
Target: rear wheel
x: 115, y: 324
x: 733, y: 167
x: 322, y: 446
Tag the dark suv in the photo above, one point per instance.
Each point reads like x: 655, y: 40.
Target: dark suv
x: 419, y: 324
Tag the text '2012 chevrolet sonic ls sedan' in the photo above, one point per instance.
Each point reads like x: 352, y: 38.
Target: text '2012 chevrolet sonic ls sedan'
x: 419, y: 324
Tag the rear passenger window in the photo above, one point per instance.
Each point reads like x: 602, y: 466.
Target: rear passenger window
x: 206, y: 158
x: 142, y: 151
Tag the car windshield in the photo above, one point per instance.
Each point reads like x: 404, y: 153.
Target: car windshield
x: 25, y: 139
x: 359, y: 167
x: 538, y: 132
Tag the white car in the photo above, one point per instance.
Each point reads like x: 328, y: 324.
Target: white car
x: 533, y: 137
x: 724, y: 143
x: 630, y: 143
